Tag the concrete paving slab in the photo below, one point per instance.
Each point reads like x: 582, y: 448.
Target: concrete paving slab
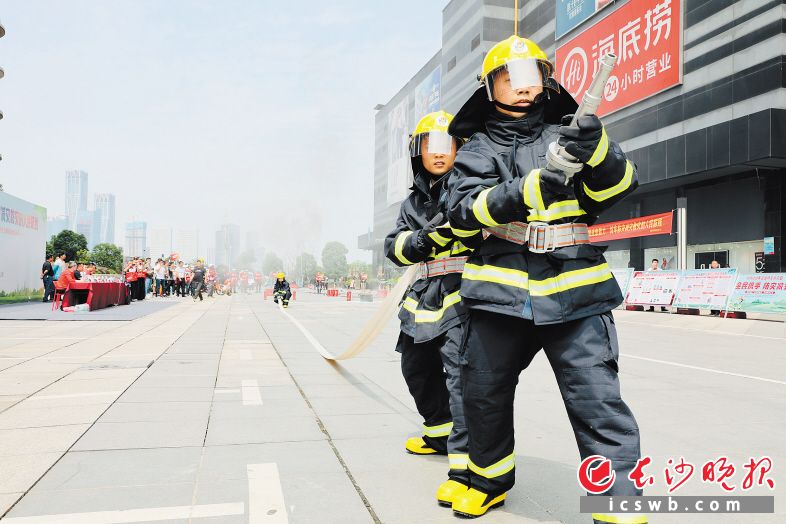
x: 128, y: 467
x: 156, y: 411
x: 27, y: 441
x: 272, y: 409
x: 25, y: 416
x: 53, y: 503
x: 165, y: 394
x: 253, y: 431
x: 22, y: 471
x: 368, y: 426
x: 7, y: 500
x: 147, y: 434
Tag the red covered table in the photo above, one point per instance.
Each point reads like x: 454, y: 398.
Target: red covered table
x: 99, y: 294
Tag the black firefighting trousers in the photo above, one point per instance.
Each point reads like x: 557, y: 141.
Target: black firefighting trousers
x: 432, y: 373
x: 583, y: 355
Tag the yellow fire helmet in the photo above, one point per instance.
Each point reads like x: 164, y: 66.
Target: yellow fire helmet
x: 518, y: 63
x: 431, y: 135
x: 280, y: 275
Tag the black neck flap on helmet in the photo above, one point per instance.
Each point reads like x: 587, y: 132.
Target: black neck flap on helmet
x: 472, y: 116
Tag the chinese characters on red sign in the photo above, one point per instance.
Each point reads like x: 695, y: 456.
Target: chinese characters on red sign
x: 720, y: 471
x: 596, y: 474
x: 646, y: 36
x: 635, y: 227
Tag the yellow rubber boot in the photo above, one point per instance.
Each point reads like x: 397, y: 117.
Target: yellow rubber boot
x: 418, y: 446
x: 449, y: 490
x: 474, y: 503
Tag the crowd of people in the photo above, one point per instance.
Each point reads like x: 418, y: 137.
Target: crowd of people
x: 169, y: 277
x: 57, y: 274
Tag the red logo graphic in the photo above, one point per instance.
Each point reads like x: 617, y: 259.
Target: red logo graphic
x: 595, y: 474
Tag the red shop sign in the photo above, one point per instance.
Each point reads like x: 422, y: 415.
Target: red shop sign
x: 646, y: 36
x: 635, y: 227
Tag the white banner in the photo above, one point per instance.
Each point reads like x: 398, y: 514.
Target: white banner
x: 22, y: 243
x: 705, y: 288
x: 399, y: 176
x: 652, y: 288
x: 623, y: 276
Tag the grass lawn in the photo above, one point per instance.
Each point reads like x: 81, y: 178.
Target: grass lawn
x: 15, y: 299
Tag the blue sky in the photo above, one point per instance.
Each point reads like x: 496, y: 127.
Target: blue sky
x: 195, y: 113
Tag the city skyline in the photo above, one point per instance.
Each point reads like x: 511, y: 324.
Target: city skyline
x: 226, y: 129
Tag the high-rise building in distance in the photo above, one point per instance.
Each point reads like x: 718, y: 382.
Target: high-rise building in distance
x: 75, y: 196
x: 136, y: 239
x: 104, y: 219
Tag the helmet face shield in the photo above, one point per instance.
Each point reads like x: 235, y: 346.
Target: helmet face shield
x: 432, y: 142
x: 517, y: 74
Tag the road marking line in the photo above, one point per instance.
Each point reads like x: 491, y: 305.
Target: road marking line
x: 251, y: 394
x: 314, y: 342
x: 245, y: 354
x: 74, y: 395
x: 135, y: 515
x: 713, y: 331
x: 707, y: 369
x: 265, y: 497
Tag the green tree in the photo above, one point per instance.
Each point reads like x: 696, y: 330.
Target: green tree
x: 246, y: 259
x: 306, y: 266
x: 272, y: 263
x: 82, y: 256
x: 68, y: 242
x: 357, y: 267
x: 109, y: 256
x: 334, y: 259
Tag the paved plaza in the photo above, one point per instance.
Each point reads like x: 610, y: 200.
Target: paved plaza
x: 223, y: 411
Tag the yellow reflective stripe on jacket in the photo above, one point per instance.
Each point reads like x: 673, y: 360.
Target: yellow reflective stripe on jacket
x: 622, y: 185
x: 458, y: 247
x: 442, y: 254
x: 600, y: 152
x: 400, y: 240
x: 410, y: 304
x: 533, y: 198
x: 495, y: 470
x: 439, y: 239
x: 557, y: 210
x: 620, y: 519
x: 497, y: 275
x: 424, y: 316
x: 438, y: 431
x: 480, y: 209
x: 464, y: 233
x: 458, y: 460
x: 570, y: 280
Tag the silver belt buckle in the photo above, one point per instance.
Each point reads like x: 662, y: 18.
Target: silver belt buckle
x: 540, y: 230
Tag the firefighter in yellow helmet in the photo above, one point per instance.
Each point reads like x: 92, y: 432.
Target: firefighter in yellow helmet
x: 432, y: 317
x: 281, y: 290
x: 536, y: 282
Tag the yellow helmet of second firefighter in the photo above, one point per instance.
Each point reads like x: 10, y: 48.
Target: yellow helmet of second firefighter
x: 280, y: 275
x: 526, y: 64
x: 431, y: 135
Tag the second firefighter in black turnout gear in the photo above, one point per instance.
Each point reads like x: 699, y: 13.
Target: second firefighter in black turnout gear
x: 536, y: 282
x: 431, y: 315
x: 281, y: 291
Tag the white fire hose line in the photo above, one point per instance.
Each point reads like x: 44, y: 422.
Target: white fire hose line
x: 373, y: 327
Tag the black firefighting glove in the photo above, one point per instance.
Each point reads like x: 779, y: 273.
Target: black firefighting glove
x: 583, y: 141
x: 555, y: 183
x: 429, y: 237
